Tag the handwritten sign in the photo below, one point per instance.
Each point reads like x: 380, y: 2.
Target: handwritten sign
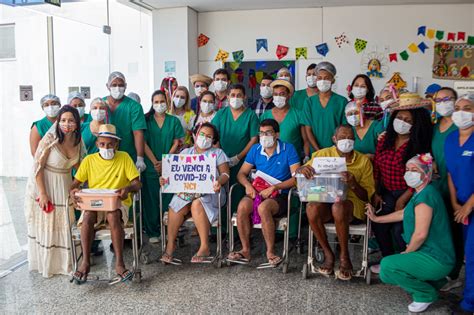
x: 324, y: 165
x: 189, y: 173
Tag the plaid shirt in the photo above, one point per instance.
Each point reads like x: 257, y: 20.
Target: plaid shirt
x: 260, y: 107
x: 389, y: 167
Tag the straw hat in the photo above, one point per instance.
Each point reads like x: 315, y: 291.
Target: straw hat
x: 407, y: 101
x: 108, y: 131
x: 280, y: 82
x: 200, y: 78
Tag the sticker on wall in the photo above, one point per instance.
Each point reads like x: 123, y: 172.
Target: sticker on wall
x: 262, y: 43
x: 202, y: 40
x: 360, y: 45
x: 238, y: 56
x: 322, y: 49
x: 374, y: 65
x: 222, y: 55
x: 341, y: 40
x: 301, y: 52
x: 281, y: 51
x: 397, y: 81
x: 453, y: 61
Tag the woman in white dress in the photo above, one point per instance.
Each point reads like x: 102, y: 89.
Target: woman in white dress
x: 58, y: 152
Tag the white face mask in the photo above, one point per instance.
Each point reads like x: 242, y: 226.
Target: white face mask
x: 284, y: 78
x: 353, y: 120
x: 385, y: 104
x: 266, y: 141
x: 203, y: 142
x: 359, y: 92
x: 198, y: 90
x: 117, y: 92
x: 266, y: 91
x: 220, y: 85
x: 323, y: 85
x: 401, y: 127
x: 311, y: 80
x: 206, y: 107
x: 81, y: 111
x: 279, y: 101
x: 98, y: 114
x: 463, y: 119
x: 51, y: 111
x: 345, y: 145
x: 178, y: 102
x: 107, y: 154
x: 160, y: 108
x: 445, y: 108
x: 413, y: 179
x: 236, y: 102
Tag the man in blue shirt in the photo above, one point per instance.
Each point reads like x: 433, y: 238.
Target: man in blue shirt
x: 277, y: 160
x: 459, y: 156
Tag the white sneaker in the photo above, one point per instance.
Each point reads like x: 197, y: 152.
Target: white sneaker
x: 451, y: 284
x: 418, y: 307
x: 375, y: 269
x: 154, y: 240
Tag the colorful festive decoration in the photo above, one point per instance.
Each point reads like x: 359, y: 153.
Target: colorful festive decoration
x: 222, y: 55
x: 287, y: 63
x: 240, y: 75
x: 281, y: 51
x: 234, y: 65
x: 422, y: 46
x: 461, y: 36
x: 413, y: 48
x: 404, y: 55
x: 202, y: 40
x: 439, y: 35
x: 360, y: 45
x: 374, y: 64
x: 453, y: 62
x: 233, y: 78
x: 259, y: 76
x: 393, y: 57
x: 397, y: 81
x: 260, y: 65
x: 430, y: 33
x: 238, y: 56
x: 470, y: 40
x: 341, y: 39
x: 301, y: 52
x: 452, y: 36
x: 262, y: 43
x: 422, y: 30
x: 322, y: 49
x: 252, y: 79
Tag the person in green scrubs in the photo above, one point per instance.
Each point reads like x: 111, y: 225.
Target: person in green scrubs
x: 90, y: 129
x: 161, y: 137
x: 127, y: 116
x: 50, y: 104
x: 76, y: 100
x: 323, y: 112
x: 429, y: 256
x: 444, y: 102
x: 300, y: 96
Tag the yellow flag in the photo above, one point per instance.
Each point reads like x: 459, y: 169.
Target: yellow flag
x: 259, y: 76
x: 430, y: 33
x: 221, y: 55
x: 413, y: 48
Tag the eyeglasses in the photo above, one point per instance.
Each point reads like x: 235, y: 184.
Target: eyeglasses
x: 266, y: 133
x: 444, y: 99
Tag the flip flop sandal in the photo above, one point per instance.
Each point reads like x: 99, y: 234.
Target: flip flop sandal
x: 325, y: 271
x: 196, y: 259
x: 275, y: 261
x: 168, y: 259
x: 125, y: 276
x: 344, y: 275
x: 79, y: 277
x: 238, y: 258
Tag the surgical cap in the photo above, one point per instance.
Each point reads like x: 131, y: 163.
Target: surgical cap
x: 114, y: 75
x: 73, y: 95
x: 468, y: 96
x: 49, y: 97
x: 97, y: 100
x: 283, y: 70
x: 135, y: 97
x: 327, y: 66
x: 424, y: 162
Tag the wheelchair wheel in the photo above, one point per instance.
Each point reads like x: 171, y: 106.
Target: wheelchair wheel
x: 368, y: 276
x: 319, y: 256
x: 285, y: 268
x: 304, y: 272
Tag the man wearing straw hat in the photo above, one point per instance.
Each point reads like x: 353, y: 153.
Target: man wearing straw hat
x: 200, y: 84
x: 107, y: 169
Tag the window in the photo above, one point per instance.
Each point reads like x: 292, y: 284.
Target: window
x: 7, y: 41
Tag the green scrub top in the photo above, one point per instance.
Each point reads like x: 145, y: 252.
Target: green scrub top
x: 235, y: 134
x: 323, y: 121
x: 298, y: 99
x: 42, y: 125
x: 368, y: 144
x: 290, y: 128
x: 438, y: 243
x: 437, y: 147
x: 127, y: 117
x: 160, y: 140
x: 89, y: 138
x: 86, y: 118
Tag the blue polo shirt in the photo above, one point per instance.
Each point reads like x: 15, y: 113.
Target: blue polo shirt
x: 277, y: 165
x: 460, y: 165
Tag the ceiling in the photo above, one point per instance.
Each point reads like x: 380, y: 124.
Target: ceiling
x: 232, y: 5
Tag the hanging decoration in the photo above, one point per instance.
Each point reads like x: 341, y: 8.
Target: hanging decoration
x: 322, y: 49
x: 360, y: 45
x: 413, y: 48
x: 260, y: 65
x: 281, y: 51
x: 238, y: 56
x: 422, y: 46
x: 430, y: 33
x: 422, y: 30
x: 341, y: 39
x: 252, y: 79
x: 461, y: 36
x: 451, y: 36
x: 404, y: 55
x: 262, y: 43
x: 202, y: 40
x: 222, y: 55
x: 393, y: 57
x: 439, y: 35
x: 374, y: 65
x: 259, y: 76
x: 397, y: 81
x: 234, y: 65
x: 301, y: 52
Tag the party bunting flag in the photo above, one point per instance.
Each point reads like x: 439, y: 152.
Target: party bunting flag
x: 252, y: 79
x: 461, y: 36
x: 393, y: 57
x: 452, y: 36
x: 238, y: 56
x: 341, y: 39
x: 202, y: 40
x: 233, y: 78
x: 422, y: 30
x: 413, y: 48
x: 430, y: 33
x: 404, y: 55
x: 259, y: 76
x: 260, y: 65
x: 222, y: 55
x: 439, y: 35
x: 470, y: 40
x: 301, y: 52
x: 422, y: 46
x: 234, y: 65
x: 262, y: 43
x: 322, y: 49
x: 281, y: 51
x: 360, y: 45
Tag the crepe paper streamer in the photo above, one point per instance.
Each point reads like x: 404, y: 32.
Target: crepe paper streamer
x: 360, y: 45
x: 439, y: 35
x: 404, y: 54
x: 260, y: 65
x: 202, y: 40
x: 422, y: 46
x: 259, y: 76
x: 262, y: 43
x: 393, y: 57
x: 238, y: 56
x: 470, y: 40
x: 413, y: 48
x: 452, y: 36
x: 422, y: 30
x: 341, y: 39
x: 322, y: 49
x: 430, y: 33
x: 461, y: 36
x: 222, y: 55
x: 301, y: 52
x: 234, y: 65
x: 281, y: 51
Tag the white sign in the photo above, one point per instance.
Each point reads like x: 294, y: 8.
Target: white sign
x: 329, y: 165
x: 464, y: 87
x: 189, y: 173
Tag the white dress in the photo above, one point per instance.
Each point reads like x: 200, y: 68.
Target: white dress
x: 49, y: 249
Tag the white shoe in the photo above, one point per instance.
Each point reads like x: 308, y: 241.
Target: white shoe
x: 451, y: 284
x: 375, y: 269
x: 418, y: 307
x: 154, y: 240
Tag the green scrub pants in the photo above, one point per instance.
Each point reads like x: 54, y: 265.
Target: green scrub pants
x: 151, y: 205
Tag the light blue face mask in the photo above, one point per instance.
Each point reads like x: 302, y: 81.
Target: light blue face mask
x: 413, y: 179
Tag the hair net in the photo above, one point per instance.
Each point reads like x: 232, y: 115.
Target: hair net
x: 73, y: 95
x: 283, y: 70
x: 327, y: 66
x: 49, y: 97
x: 114, y: 75
x: 424, y: 162
x: 135, y: 97
x: 468, y: 96
x: 98, y: 100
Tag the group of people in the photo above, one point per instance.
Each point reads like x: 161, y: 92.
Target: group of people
x: 408, y: 159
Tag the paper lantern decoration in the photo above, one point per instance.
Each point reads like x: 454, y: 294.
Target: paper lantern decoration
x: 281, y: 51
x: 413, y: 48
x: 341, y: 39
x: 404, y: 55
x: 202, y: 40
x: 238, y: 56
x: 422, y: 46
x: 262, y: 43
x: 374, y: 65
x: 422, y: 30
x: 222, y: 55
x: 301, y: 52
x: 360, y: 45
x: 322, y: 49
x: 430, y: 33
x: 397, y: 81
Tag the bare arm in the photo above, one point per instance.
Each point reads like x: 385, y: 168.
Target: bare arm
x: 174, y: 147
x: 149, y: 154
x: 35, y: 138
x: 306, y: 144
x: 311, y: 138
x: 396, y: 216
x: 423, y: 217
x: 134, y: 186
x: 244, y: 152
x: 139, y: 141
x: 289, y: 183
x: 242, y: 178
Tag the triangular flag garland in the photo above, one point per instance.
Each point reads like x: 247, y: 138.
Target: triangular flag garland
x: 286, y: 63
x: 413, y: 48
x: 393, y: 57
x: 360, y: 45
x: 260, y: 65
x: 430, y: 33
x: 422, y: 30
x: 281, y: 51
x: 341, y: 39
x: 451, y: 36
x: 439, y: 35
x: 222, y: 55
x: 238, y: 56
x: 461, y: 36
x: 202, y: 40
x: 470, y: 40
x: 422, y: 46
x: 262, y: 43
x: 322, y: 49
x: 301, y: 52
x: 404, y: 55
x: 234, y: 65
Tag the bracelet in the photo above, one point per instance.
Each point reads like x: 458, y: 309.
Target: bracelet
x: 225, y: 174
